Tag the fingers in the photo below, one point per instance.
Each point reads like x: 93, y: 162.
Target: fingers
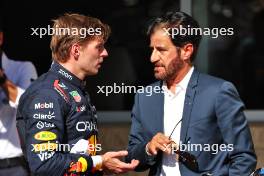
x: 111, y: 163
x: 154, y: 147
x: 125, y: 167
x: 135, y: 162
x: 118, y: 154
x: 159, y: 142
x: 162, y: 138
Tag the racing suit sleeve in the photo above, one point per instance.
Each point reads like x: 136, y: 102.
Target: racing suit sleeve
x: 45, y: 113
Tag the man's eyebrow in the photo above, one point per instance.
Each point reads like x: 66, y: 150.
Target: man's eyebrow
x: 100, y: 44
x: 160, y: 47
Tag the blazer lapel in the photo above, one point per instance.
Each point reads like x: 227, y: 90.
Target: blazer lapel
x: 159, y: 104
x: 188, y: 104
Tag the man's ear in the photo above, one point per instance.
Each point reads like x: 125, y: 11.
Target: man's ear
x: 1, y: 39
x: 75, y: 50
x: 187, y: 51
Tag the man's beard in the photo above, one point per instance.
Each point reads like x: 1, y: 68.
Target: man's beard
x: 171, y: 71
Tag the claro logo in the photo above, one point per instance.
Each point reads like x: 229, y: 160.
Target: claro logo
x: 50, y: 115
x: 44, y: 105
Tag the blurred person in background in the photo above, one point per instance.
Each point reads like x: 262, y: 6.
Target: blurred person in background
x: 15, y: 77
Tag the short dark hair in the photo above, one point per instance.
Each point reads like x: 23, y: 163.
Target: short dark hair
x: 175, y: 20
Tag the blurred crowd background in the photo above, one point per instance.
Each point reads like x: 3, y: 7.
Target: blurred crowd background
x: 237, y: 58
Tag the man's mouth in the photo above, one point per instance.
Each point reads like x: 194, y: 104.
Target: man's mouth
x: 157, y: 67
x: 99, y: 64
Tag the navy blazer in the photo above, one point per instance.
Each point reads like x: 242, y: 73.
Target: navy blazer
x: 212, y: 114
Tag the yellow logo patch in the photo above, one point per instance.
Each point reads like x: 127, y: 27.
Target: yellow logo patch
x: 45, y: 136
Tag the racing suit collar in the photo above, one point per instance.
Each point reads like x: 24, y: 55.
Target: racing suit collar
x: 66, y: 75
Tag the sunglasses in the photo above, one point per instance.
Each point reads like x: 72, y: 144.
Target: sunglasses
x: 188, y: 160
x: 185, y: 158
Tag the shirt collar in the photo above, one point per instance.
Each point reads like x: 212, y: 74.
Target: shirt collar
x: 182, y: 84
x: 66, y: 75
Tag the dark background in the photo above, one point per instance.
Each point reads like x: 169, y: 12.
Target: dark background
x: 238, y: 58
x: 128, y: 60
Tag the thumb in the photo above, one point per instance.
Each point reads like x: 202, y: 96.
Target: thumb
x: 135, y: 162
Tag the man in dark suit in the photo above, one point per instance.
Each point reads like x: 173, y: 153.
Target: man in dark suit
x: 195, y: 124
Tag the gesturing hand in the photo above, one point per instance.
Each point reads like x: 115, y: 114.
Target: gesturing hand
x: 112, y: 164
x: 159, y: 142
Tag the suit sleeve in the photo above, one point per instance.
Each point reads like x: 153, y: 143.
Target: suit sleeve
x: 234, y: 128
x: 137, y: 143
x: 45, y: 132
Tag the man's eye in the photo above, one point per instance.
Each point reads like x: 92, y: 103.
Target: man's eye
x: 161, y: 49
x: 100, y: 47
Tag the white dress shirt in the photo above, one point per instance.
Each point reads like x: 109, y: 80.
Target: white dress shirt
x: 173, y: 109
x: 21, y: 74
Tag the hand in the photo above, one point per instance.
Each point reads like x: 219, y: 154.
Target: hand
x: 159, y: 142
x: 112, y: 165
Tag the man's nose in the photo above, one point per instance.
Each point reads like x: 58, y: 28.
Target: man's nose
x: 154, y: 56
x: 104, y: 53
